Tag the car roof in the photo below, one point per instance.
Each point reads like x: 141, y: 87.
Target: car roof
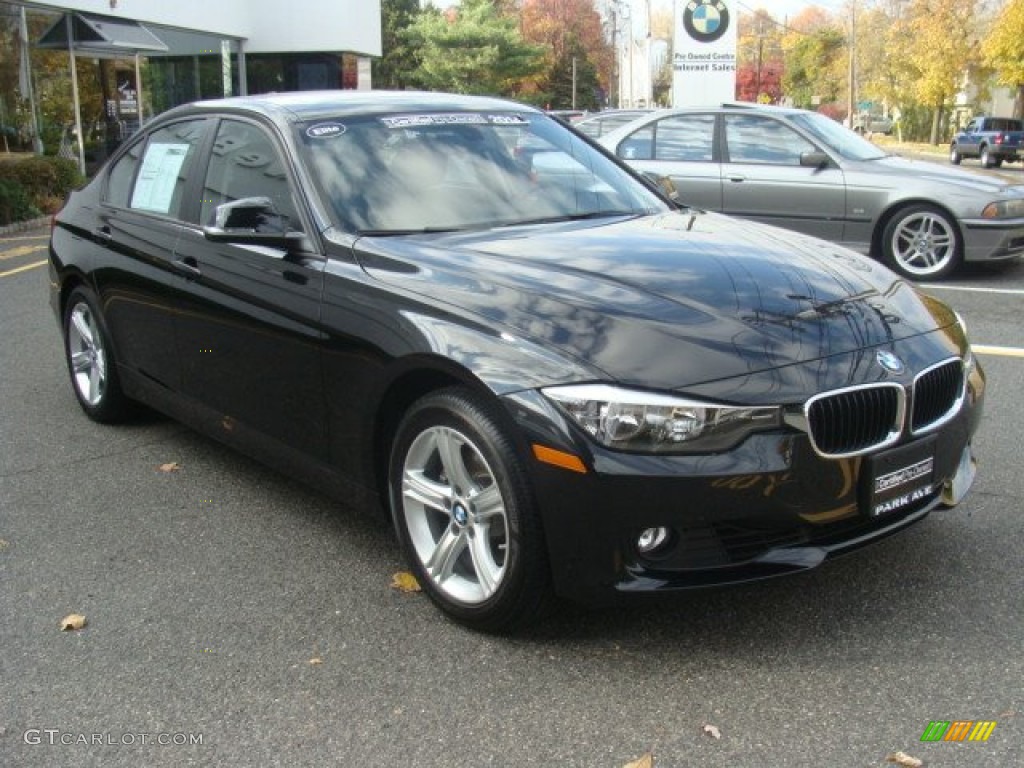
x: 311, y: 105
x: 728, y: 106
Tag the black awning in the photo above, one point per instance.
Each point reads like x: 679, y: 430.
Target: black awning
x: 101, y: 34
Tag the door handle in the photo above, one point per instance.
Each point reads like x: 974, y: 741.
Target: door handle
x: 188, y: 267
x: 737, y: 178
x: 103, y: 234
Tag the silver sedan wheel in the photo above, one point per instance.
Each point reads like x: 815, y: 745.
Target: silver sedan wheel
x: 455, y: 515
x: 87, y: 355
x: 923, y: 244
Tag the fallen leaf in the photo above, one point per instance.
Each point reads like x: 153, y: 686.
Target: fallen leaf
x: 4, y: 545
x: 902, y: 758
x: 316, y: 660
x: 72, y: 621
x: 171, y: 466
x: 711, y: 730
x: 644, y: 761
x: 405, y: 582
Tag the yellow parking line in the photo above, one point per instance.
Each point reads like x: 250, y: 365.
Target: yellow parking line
x: 24, y: 237
x: 25, y: 268
x: 21, y: 250
x: 983, y: 349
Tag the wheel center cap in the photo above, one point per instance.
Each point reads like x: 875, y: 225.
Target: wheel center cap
x: 460, y: 515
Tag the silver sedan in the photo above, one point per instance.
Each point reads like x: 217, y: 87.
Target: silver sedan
x: 803, y: 171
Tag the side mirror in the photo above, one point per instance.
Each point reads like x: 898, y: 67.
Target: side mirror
x: 814, y: 160
x: 252, y: 220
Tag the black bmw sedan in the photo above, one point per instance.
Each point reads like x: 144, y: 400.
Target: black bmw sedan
x: 557, y: 381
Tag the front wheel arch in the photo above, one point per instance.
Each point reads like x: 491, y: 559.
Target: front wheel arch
x: 399, y: 396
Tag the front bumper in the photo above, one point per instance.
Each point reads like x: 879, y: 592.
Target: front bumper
x: 769, y: 507
x: 991, y: 240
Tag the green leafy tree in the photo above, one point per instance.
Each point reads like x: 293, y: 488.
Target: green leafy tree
x: 814, y: 63
x: 472, y: 49
x: 1003, y: 50
x: 396, y: 68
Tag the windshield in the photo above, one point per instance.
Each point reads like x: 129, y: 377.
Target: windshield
x: 836, y: 137
x: 399, y: 173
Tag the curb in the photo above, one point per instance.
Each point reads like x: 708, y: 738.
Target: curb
x: 21, y: 226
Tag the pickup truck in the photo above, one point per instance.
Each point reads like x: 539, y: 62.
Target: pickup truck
x: 991, y: 139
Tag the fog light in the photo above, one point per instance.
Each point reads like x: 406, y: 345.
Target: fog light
x: 650, y: 539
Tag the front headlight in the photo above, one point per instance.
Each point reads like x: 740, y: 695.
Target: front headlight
x: 1004, y: 209
x: 648, y: 422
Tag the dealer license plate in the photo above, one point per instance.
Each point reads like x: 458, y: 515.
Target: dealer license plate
x: 900, y: 478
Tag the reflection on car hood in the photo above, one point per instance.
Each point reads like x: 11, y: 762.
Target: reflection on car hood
x: 665, y: 301
x: 925, y: 171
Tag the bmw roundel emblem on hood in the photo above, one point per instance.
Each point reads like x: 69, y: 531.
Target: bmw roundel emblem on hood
x: 889, y: 361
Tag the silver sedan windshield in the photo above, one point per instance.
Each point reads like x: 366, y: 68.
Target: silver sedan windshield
x: 398, y: 173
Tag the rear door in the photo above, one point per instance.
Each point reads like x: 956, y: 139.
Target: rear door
x: 249, y: 331
x: 681, y: 147
x: 763, y: 180
x: 138, y: 225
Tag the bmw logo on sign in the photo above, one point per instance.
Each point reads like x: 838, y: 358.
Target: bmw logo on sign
x: 889, y: 361
x: 706, y: 20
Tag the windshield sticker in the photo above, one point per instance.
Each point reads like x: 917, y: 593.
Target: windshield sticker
x: 461, y: 118
x: 325, y: 130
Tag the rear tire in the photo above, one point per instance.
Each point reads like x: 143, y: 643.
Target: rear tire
x: 464, y: 511
x: 987, y: 161
x: 91, y: 362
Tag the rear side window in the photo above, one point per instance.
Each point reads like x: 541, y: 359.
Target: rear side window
x: 121, y: 176
x: 687, y: 138
x: 163, y: 171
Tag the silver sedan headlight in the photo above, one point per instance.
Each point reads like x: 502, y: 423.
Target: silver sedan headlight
x: 649, y: 422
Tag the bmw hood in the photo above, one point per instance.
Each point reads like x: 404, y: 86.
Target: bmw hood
x: 668, y: 301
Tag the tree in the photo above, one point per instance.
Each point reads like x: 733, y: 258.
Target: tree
x: 759, y: 66
x: 941, y: 50
x: 1003, y: 50
x: 399, y: 60
x: 567, y: 29
x: 472, y: 49
x: 815, y: 66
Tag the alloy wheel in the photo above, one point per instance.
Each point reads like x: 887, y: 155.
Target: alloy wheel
x: 455, y: 515
x: 86, y: 354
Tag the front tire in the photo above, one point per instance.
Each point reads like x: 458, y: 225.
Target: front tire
x: 954, y: 155
x: 464, y: 511
x: 921, y: 242
x: 91, y: 362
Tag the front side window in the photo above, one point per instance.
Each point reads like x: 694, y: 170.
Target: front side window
x: 245, y: 163
x: 763, y: 140
x: 462, y: 170
x: 163, y: 173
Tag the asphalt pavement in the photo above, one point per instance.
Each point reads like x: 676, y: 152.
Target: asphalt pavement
x: 236, y: 618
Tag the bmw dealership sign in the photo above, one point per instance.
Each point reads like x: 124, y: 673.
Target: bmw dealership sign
x: 704, y: 66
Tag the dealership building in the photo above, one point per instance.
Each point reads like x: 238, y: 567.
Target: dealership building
x: 150, y: 56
